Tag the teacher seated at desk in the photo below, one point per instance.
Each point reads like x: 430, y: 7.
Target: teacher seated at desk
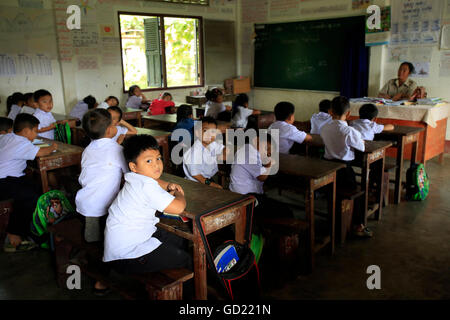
x: 401, y: 88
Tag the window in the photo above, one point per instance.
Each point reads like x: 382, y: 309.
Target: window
x: 161, y: 52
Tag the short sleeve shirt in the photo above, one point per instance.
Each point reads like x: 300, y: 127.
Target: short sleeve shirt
x: 15, y: 110
x: 213, y: 109
x: 15, y: 150
x: 393, y: 87
x: 134, y: 102
x: 246, y: 169
x: 318, y: 120
x: 199, y: 160
x: 240, y: 119
x: 340, y: 140
x: 131, y: 222
x: 120, y: 131
x: 45, y: 119
x: 288, y: 135
x: 79, y: 110
x: 367, y: 128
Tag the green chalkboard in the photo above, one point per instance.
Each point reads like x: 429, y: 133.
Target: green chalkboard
x: 304, y: 55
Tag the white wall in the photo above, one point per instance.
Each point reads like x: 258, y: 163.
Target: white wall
x: 306, y: 102
x: 68, y: 83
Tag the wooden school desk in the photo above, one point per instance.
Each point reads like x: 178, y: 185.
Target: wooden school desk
x: 374, y: 152
x: 168, y: 122
x: 133, y: 114
x: 70, y: 120
x: 67, y: 155
x: 162, y: 137
x: 433, y: 119
x: 228, y: 208
x: 200, y: 100
x: 316, y: 174
x: 402, y: 136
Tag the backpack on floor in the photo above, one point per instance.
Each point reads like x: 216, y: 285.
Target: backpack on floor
x: 417, y: 183
x: 51, y: 208
x: 63, y: 133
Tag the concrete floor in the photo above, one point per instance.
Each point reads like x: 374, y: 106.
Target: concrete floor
x: 411, y: 246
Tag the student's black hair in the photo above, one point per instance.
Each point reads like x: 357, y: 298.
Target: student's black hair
x: 209, y: 120
x: 6, y: 123
x: 15, y: 98
x: 183, y: 112
x: 325, y: 105
x: 40, y: 93
x: 118, y: 110
x: 340, y: 105
x: 95, y: 122
x: 211, y: 95
x: 25, y: 120
x: 90, y: 101
x: 240, y: 101
x: 113, y: 97
x: 135, y: 145
x: 131, y: 90
x: 166, y: 94
x: 410, y: 67
x: 28, y: 96
x: 368, y: 111
x: 283, y: 110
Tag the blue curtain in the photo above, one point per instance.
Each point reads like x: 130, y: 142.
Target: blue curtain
x: 355, y: 66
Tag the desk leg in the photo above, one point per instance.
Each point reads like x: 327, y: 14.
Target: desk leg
x: 332, y: 211
x: 44, y: 181
x: 201, y: 289
x: 365, y: 186
x: 398, y: 171
x: 309, y: 208
x: 380, y: 187
x: 414, y: 149
x: 240, y: 225
x: 139, y: 120
x: 166, y: 155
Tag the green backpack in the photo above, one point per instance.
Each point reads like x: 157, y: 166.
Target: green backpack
x: 417, y: 183
x: 256, y: 245
x: 51, y: 208
x: 63, y: 133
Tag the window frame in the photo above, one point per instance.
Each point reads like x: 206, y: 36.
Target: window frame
x: 163, y: 49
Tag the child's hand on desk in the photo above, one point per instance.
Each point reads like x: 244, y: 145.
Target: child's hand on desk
x: 172, y: 187
x: 215, y: 185
x: 62, y: 121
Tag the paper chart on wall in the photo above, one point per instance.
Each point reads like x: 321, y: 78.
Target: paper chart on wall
x: 445, y: 37
x: 12, y: 65
x: 422, y: 70
x: 444, y: 66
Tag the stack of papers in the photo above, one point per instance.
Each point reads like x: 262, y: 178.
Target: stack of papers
x: 429, y: 101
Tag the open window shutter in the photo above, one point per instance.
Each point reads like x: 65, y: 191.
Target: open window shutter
x: 153, y: 51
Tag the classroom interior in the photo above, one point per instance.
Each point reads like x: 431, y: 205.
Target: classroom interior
x: 411, y: 238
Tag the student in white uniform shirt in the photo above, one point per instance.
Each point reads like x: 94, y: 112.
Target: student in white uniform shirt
x: 102, y: 168
x: 340, y: 141
x: 241, y: 112
x: 6, y: 125
x: 200, y: 162
x: 83, y: 106
x: 366, y: 124
x: 111, y: 101
x: 123, y: 127
x: 133, y: 242
x: 136, y: 99
x: 14, y: 105
x: 15, y: 149
x: 319, y: 119
x: 47, y: 123
x: 215, y: 106
x: 288, y: 133
x: 30, y: 105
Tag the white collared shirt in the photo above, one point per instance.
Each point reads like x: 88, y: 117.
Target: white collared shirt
x: 367, y: 128
x: 288, y: 135
x: 131, y: 221
x: 246, y: 169
x: 15, y: 150
x: 103, y: 105
x: 240, y: 119
x: 27, y: 109
x: 212, y: 109
x: 15, y: 110
x: 134, y: 102
x: 340, y: 139
x: 318, y: 120
x: 102, y: 165
x: 200, y: 160
x: 79, y: 110
x: 120, y: 131
x: 45, y: 119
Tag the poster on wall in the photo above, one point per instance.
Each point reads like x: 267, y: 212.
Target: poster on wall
x: 444, y: 66
x: 377, y: 37
x: 422, y: 70
x: 416, y: 22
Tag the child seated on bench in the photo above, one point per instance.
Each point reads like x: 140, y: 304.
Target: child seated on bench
x: 133, y: 243
x: 319, y: 119
x: 102, y: 167
x: 6, y: 125
x: 123, y: 127
x: 340, y: 141
x: 366, y: 124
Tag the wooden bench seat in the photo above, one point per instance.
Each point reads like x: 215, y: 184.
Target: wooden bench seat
x: 71, y: 248
x: 345, y: 202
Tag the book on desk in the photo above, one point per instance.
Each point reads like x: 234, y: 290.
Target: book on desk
x: 173, y: 216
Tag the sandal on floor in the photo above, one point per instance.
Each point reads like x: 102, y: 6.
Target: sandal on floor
x: 364, y: 233
x: 22, y: 247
